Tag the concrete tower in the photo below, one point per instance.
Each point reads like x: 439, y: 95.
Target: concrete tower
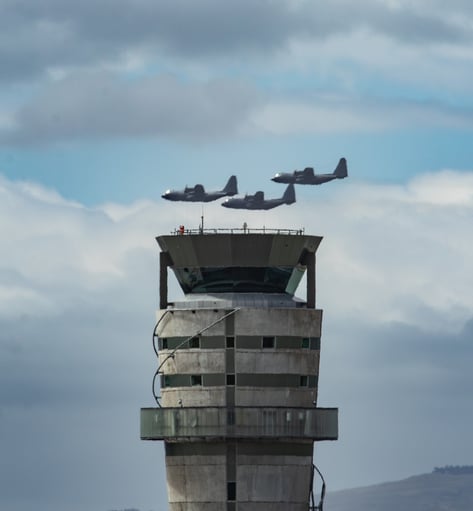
x: 238, y: 369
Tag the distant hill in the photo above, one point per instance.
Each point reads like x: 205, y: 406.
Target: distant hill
x: 445, y: 489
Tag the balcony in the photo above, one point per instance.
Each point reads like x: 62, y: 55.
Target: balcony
x: 180, y: 424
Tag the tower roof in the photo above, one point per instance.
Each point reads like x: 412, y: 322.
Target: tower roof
x: 249, y: 262
x: 248, y: 250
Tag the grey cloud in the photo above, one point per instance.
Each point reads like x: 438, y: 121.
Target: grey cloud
x: 72, y: 380
x: 71, y: 386
x: 53, y: 33
x: 403, y: 396
x: 98, y: 105
x: 71, y: 383
x: 444, y: 356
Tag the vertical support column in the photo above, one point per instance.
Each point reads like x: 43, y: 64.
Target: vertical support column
x: 230, y: 362
x: 310, y: 263
x: 231, y: 476
x: 164, y: 262
x: 230, y: 402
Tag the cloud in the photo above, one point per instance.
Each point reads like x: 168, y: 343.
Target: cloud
x: 53, y: 34
x: 444, y: 188
x: 77, y: 291
x: 203, y: 71
x: 98, y: 105
x: 326, y: 114
x: 103, y: 106
x: 76, y: 298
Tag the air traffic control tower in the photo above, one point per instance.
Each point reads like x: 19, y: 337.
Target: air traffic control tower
x: 238, y: 365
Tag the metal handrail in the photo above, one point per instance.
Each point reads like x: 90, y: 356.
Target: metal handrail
x: 238, y: 230
x: 320, y: 506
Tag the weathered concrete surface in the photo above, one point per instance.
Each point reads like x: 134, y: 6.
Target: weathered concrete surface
x: 193, y: 361
x: 272, y: 506
x: 182, y: 323
x: 198, y: 506
x: 194, y: 396
x: 197, y: 483
x: 258, y: 396
x: 273, y: 483
x: 246, y: 361
x: 268, y: 321
x: 294, y: 322
x: 266, y: 361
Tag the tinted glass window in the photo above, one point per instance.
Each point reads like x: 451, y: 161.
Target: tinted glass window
x: 234, y: 280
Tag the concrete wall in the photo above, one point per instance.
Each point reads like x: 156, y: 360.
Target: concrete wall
x: 273, y: 475
x: 301, y: 361
x: 192, y: 396
x: 253, y: 324
x: 194, y: 361
x: 180, y: 323
x: 294, y: 322
x: 263, y: 482
x: 268, y: 321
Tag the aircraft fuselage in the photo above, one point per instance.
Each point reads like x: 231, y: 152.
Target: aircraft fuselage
x: 175, y: 195
x: 257, y: 201
x: 248, y: 203
x: 308, y: 176
x: 303, y: 180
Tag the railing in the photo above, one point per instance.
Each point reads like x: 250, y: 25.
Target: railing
x: 239, y: 230
x: 239, y: 422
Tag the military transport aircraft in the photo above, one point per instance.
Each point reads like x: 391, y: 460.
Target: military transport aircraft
x: 197, y: 193
x: 257, y: 201
x: 307, y: 176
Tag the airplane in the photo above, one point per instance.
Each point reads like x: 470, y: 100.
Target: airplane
x: 257, y: 201
x: 197, y: 193
x: 307, y: 176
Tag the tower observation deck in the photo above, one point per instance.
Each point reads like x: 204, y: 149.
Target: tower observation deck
x: 238, y: 365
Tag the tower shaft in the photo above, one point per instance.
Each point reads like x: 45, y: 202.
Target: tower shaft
x: 238, y: 369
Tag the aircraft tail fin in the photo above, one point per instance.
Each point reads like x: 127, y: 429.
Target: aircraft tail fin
x: 231, y: 188
x: 289, y: 196
x: 341, y: 171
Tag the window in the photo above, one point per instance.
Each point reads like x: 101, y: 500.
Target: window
x: 230, y: 379
x: 231, y: 491
x: 196, y: 379
x: 305, y: 343
x: 234, y: 279
x: 163, y: 342
x: 230, y: 342
x: 194, y: 342
x: 315, y: 343
x: 304, y: 381
x: 268, y: 342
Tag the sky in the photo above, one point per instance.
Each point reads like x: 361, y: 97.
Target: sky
x: 104, y: 105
